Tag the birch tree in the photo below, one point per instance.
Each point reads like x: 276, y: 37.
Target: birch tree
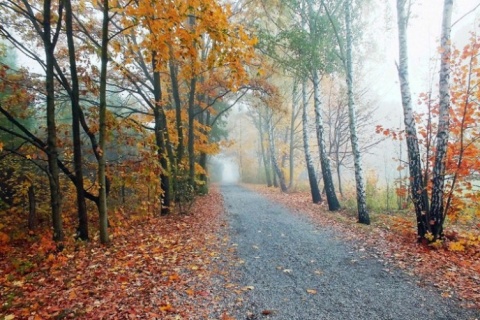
x: 332, y: 200
x: 436, y: 213
x: 417, y: 189
x: 363, y: 216
x: 312, y: 178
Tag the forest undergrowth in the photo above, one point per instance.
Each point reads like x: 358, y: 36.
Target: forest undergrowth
x: 154, y: 268
x: 452, y: 268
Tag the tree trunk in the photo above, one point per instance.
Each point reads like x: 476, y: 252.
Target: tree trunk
x: 417, y: 189
x: 266, y: 161
x: 292, y: 134
x: 205, y: 120
x: 102, y: 192
x: 363, y: 216
x: 82, y: 230
x: 191, y: 133
x: 53, y: 170
x: 332, y: 200
x: 159, y: 129
x: 276, y: 167
x: 316, y: 197
x: 178, y: 110
x: 32, y: 212
x: 437, y: 214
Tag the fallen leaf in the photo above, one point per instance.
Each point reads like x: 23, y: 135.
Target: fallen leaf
x: 312, y: 291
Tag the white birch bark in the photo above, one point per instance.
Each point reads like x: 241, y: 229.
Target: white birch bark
x: 436, y: 217
x: 312, y: 178
x: 332, y: 200
x: 417, y: 190
x: 363, y: 216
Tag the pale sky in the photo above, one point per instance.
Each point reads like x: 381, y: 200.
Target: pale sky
x: 423, y: 35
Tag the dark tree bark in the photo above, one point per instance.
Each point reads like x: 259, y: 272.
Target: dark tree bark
x: 102, y: 192
x: 191, y: 132
x: 32, y: 211
x: 82, y: 230
x: 52, y: 151
x: 160, y: 128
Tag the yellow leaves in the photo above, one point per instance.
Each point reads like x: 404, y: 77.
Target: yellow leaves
x: 167, y: 308
x: 456, y: 246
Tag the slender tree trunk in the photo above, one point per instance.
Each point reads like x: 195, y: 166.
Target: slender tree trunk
x: 339, y: 176
x: 316, y: 197
x: 82, y: 230
x: 437, y: 213
x: 292, y: 134
x: 191, y: 132
x: 103, y: 128
x: 265, y: 159
x: 276, y: 167
x: 32, y: 212
x: 363, y: 216
x: 178, y: 109
x: 332, y: 200
x: 204, y: 120
x: 53, y: 170
x: 417, y: 189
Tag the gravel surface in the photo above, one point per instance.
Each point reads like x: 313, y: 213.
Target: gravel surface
x: 291, y: 269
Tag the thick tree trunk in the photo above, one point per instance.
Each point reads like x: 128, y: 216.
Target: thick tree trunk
x: 159, y: 129
x: 437, y: 214
x: 102, y: 192
x: 363, y: 216
x: 82, y: 230
x: 417, y: 188
x: 332, y: 200
x: 316, y: 197
x: 53, y: 170
x: 276, y: 167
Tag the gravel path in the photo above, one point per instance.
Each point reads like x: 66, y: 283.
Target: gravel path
x: 293, y: 270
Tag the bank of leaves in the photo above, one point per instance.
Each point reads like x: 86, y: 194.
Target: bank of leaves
x: 156, y: 267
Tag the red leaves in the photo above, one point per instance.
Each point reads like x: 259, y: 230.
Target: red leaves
x: 156, y: 268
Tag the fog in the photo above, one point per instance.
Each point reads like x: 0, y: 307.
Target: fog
x: 230, y: 170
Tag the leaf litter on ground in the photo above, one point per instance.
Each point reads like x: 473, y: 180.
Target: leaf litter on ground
x: 169, y: 267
